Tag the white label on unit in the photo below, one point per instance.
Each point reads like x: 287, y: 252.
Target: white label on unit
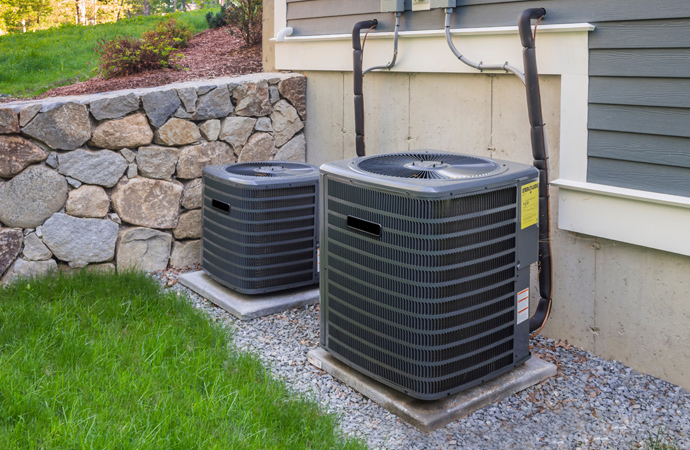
x: 523, y: 306
x: 313, y: 361
x: 421, y: 5
x: 318, y: 260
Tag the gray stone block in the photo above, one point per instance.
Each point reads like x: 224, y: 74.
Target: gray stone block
x: 159, y: 105
x: 114, y: 107
x: 143, y: 249
x: 31, y: 197
x: 65, y: 127
x: 35, y: 249
x: 246, y: 307
x: 214, y: 105
x: 430, y: 415
x: 188, y: 98
x: 101, y: 167
x: 9, y: 121
x: 157, y: 162
x: 80, y: 241
x: 28, y: 269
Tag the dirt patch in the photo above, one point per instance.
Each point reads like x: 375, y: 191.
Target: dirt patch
x: 210, y: 54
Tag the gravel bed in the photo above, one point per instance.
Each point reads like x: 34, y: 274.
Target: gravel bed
x: 591, y: 403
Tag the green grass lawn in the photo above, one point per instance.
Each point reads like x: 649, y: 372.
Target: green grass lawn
x: 32, y: 63
x: 102, y: 361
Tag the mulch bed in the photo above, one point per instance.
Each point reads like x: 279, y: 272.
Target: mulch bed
x: 211, y: 54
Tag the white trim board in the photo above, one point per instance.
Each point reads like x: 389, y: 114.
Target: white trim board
x: 490, y: 31
x: 428, y: 51
x: 624, y: 193
x: 642, y: 218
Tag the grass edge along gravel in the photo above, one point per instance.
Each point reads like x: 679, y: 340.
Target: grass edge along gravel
x: 660, y: 441
x: 33, y: 63
x: 110, y: 361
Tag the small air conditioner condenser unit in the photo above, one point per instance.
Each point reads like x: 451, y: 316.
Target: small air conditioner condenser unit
x: 260, y: 225
x: 426, y: 268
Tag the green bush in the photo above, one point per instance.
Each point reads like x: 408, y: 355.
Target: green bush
x: 126, y: 56
x: 217, y: 20
x: 245, y: 16
x: 176, y: 33
x: 157, y: 49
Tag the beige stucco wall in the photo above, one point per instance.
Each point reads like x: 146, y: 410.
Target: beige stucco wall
x: 617, y: 300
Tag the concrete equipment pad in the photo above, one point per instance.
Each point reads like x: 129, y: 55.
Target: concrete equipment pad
x: 247, y: 307
x: 430, y: 415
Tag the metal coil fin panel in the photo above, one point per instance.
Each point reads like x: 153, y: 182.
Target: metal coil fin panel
x: 260, y: 236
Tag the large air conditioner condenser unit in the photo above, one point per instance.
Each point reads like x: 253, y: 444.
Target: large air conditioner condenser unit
x: 426, y: 267
x: 260, y: 225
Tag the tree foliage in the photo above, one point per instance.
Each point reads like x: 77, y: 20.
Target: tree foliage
x: 17, y: 16
x: 22, y: 15
x: 245, y: 18
x: 217, y: 19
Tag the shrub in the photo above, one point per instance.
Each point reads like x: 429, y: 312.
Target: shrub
x: 176, y: 33
x: 245, y: 16
x: 218, y: 19
x: 157, y: 49
x: 118, y: 57
x: 160, y: 51
x: 126, y: 56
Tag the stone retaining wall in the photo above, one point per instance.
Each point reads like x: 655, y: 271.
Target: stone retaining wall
x: 113, y: 180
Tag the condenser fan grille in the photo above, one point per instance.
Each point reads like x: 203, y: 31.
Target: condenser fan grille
x: 270, y: 169
x: 429, y: 166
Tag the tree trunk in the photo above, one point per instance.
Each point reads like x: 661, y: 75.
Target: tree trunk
x: 122, y: 2
x: 81, y: 11
x: 146, y: 7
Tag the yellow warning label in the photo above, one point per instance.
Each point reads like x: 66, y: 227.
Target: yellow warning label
x: 530, y: 204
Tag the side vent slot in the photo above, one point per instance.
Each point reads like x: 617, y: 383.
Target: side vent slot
x: 364, y: 226
x: 224, y: 207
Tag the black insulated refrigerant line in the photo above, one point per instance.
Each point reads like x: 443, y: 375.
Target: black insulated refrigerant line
x: 541, y: 162
x: 358, y: 81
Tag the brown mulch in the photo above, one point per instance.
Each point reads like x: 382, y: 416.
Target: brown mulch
x: 210, y: 54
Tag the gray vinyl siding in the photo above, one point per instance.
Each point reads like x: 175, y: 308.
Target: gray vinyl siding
x: 639, y: 113
x: 639, y: 105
